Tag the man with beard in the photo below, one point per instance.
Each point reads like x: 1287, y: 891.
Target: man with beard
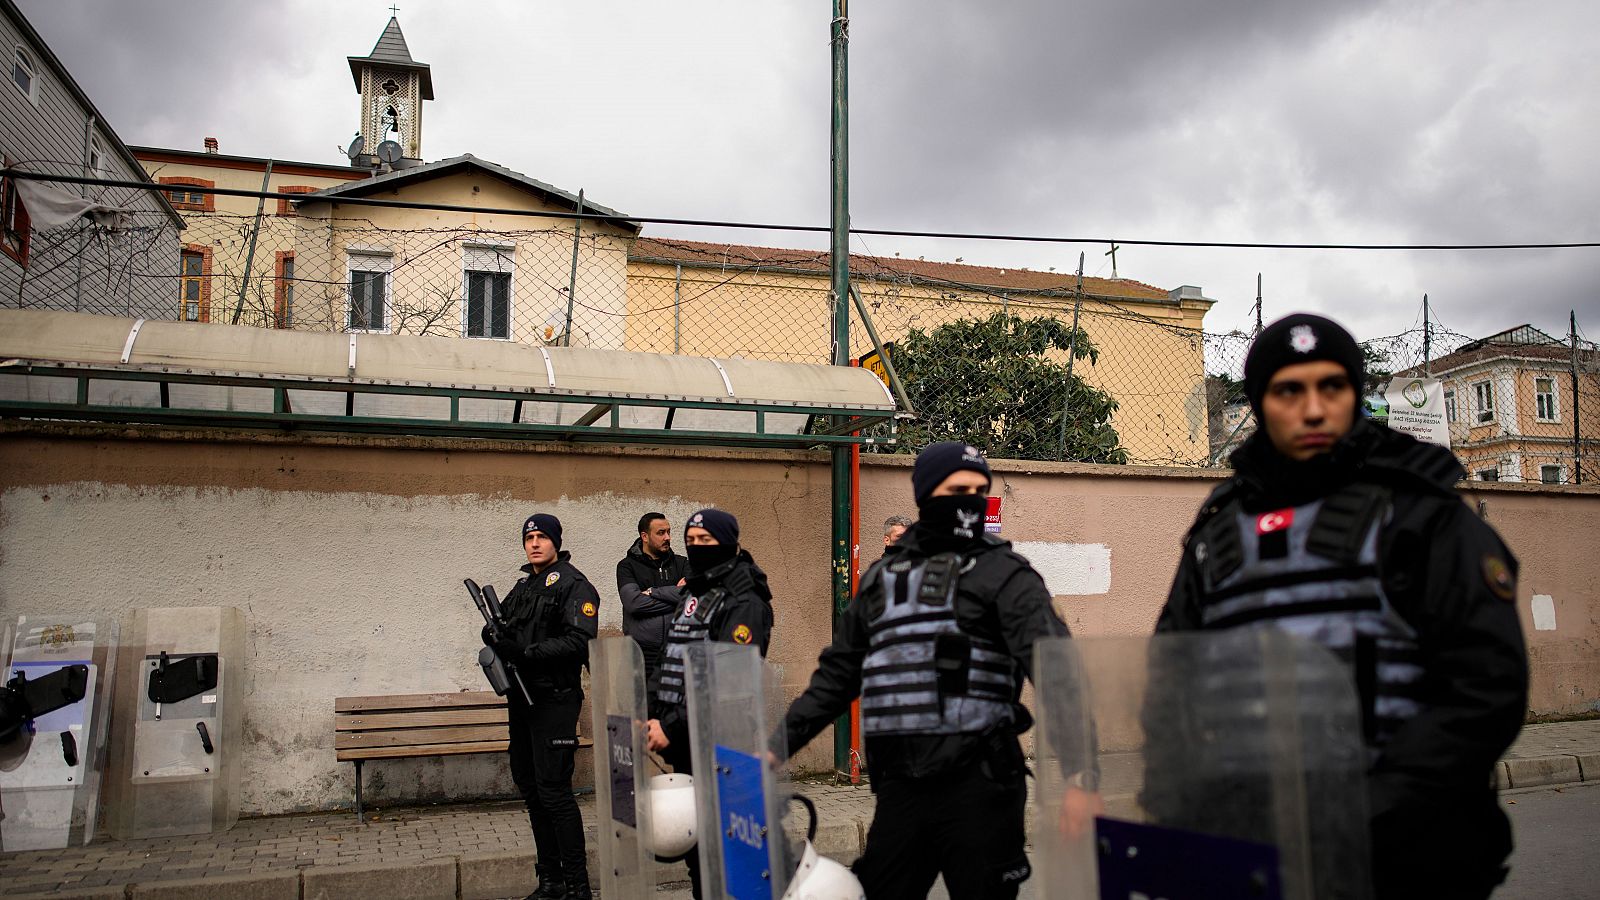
x: 936, y: 644
x: 726, y: 599
x: 1351, y: 535
x: 551, y: 616
x: 650, y: 580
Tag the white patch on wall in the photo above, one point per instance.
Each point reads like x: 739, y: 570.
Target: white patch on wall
x: 1070, y: 569
x: 1544, y: 612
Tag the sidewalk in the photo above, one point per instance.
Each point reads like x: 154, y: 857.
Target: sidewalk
x: 485, y: 851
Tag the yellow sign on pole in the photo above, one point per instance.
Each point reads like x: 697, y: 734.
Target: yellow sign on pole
x: 872, y: 361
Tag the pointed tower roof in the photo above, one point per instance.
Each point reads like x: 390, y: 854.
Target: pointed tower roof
x: 391, y: 52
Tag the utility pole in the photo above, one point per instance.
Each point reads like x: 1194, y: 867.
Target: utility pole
x: 1072, y: 354
x: 839, y: 257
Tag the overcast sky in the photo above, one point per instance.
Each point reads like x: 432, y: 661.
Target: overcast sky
x: 1467, y: 121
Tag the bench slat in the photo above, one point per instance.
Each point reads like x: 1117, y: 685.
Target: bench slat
x: 416, y: 701
x: 420, y: 719
x: 413, y: 736
x: 434, y: 750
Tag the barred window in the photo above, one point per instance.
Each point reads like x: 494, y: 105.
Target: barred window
x: 488, y: 304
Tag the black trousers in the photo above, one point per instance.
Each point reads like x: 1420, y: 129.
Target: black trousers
x: 1454, y: 848
x: 966, y: 826
x: 544, y: 740
x: 677, y: 756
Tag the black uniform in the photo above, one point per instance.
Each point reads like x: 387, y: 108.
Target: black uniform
x: 1423, y: 592
x: 645, y: 616
x: 950, y: 799
x: 552, y: 614
x: 731, y: 602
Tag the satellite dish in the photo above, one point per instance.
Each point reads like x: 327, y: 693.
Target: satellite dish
x: 356, y: 146
x: 390, y: 152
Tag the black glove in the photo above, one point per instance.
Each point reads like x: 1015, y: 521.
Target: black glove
x: 488, y: 636
x: 508, y: 650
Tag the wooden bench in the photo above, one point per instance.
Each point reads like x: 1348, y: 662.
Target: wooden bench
x: 406, y: 726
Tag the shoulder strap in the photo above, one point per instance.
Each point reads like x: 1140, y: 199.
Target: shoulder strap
x: 1344, y: 520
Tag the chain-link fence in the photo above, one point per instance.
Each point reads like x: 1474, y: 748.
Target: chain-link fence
x: 1025, y: 364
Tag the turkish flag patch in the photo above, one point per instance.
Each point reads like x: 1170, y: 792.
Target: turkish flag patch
x: 1277, y: 520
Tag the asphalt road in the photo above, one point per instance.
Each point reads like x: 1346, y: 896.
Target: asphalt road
x: 1556, y: 832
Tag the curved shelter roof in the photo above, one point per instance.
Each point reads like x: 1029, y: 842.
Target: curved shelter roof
x: 591, y: 383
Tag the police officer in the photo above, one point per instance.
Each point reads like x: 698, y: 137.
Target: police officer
x: 550, y: 618
x: 650, y: 579
x: 1351, y: 534
x: 936, y: 644
x: 726, y: 599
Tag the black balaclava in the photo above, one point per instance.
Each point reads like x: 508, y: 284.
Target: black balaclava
x: 952, y: 519
x: 722, y: 526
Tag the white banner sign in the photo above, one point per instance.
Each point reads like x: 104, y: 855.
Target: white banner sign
x: 1416, y: 407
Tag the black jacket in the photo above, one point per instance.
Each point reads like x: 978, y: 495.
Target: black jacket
x: 1448, y: 575
x: 553, y: 614
x: 745, y: 617
x: 645, y: 616
x: 1000, y: 599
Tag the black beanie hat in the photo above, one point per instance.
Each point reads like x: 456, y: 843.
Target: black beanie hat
x: 723, y: 526
x: 937, y: 461
x: 1299, y: 338
x: 545, y: 523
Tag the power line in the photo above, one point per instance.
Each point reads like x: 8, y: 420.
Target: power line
x: 628, y: 221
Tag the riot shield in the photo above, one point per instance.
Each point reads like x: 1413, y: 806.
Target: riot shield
x: 57, y: 679
x: 618, y: 702
x: 175, y: 760
x: 734, y: 706
x: 1230, y: 764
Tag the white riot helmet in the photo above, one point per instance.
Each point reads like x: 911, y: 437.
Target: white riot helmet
x: 818, y: 877
x: 672, y: 816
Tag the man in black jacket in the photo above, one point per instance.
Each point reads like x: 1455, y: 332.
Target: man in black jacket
x: 726, y: 598
x: 1352, y: 535
x: 550, y: 616
x: 650, y: 581
x: 936, y: 644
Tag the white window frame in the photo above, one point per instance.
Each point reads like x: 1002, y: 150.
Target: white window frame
x: 1483, y: 413
x: 1561, y: 473
x: 97, y: 157
x: 1450, y: 405
x: 1555, y: 399
x: 473, y: 259
x: 22, y: 56
x: 369, y: 260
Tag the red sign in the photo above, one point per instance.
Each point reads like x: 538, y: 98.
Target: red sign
x: 991, y: 520
x: 1277, y: 520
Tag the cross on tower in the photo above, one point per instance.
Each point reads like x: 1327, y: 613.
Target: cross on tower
x: 394, y: 10
x: 1113, y: 254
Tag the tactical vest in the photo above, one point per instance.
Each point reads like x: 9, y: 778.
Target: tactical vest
x: 692, y: 624
x: 922, y: 673
x: 1313, y: 571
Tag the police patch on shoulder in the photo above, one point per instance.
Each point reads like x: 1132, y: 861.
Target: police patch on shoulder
x: 1497, y: 575
x: 692, y: 605
x: 552, y: 578
x: 741, y: 635
x: 588, y: 610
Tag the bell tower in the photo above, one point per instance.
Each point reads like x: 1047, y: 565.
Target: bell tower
x: 393, y: 87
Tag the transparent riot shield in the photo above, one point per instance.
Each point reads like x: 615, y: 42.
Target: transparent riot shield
x: 1230, y: 764
x: 734, y: 707
x: 620, y: 779
x: 177, y: 735
x: 57, y: 679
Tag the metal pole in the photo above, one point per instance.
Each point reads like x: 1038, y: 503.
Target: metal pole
x: 1072, y: 354
x: 1258, y: 303
x: 572, y: 277
x: 843, y: 586
x: 1577, y: 461
x: 895, y: 384
x: 1427, y: 341
x: 83, y: 191
x: 677, y: 311
x: 255, y: 232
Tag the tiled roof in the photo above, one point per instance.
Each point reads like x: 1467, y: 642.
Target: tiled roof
x: 1523, y: 342
x: 701, y: 254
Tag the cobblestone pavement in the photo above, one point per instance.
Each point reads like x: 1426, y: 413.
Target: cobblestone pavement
x: 485, y: 850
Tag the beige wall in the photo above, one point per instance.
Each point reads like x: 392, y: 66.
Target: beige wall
x: 347, y: 557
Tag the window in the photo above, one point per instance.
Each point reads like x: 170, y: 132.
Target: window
x: 1490, y: 474
x: 285, y: 207
x: 24, y: 74
x: 194, y: 284
x: 97, y: 157
x: 190, y: 199
x: 1483, y: 394
x: 488, y: 306
x: 1450, y: 404
x: 16, y: 232
x: 1550, y: 475
x: 1544, y: 399
x: 369, y: 292
x: 283, y: 291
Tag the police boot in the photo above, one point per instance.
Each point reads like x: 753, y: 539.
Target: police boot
x: 578, y: 887
x: 551, y: 886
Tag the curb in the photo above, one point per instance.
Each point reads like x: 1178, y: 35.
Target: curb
x: 1534, y: 771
